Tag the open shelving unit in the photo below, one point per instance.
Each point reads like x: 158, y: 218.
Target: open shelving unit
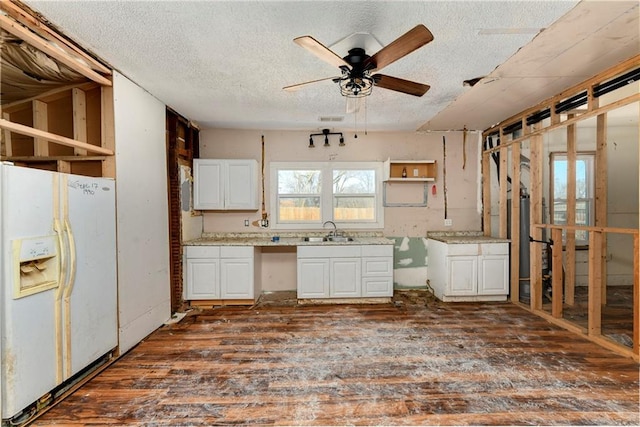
x: 416, y: 170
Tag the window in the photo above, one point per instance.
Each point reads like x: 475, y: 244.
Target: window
x: 308, y: 194
x: 584, y: 214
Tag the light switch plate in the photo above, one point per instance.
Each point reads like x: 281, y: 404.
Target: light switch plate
x: 448, y: 222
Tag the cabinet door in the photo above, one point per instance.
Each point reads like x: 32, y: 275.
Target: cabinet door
x: 202, y: 279
x: 345, y: 280
x: 313, y: 277
x: 236, y: 278
x: 463, y: 275
x: 493, y: 275
x: 240, y: 186
x: 208, y: 184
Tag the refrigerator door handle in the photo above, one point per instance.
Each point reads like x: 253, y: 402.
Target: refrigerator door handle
x: 67, y: 298
x: 62, y: 254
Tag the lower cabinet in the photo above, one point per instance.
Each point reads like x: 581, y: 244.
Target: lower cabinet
x: 220, y: 272
x: 469, y: 271
x: 350, y: 271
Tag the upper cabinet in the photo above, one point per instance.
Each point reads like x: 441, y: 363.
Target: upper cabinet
x: 410, y: 170
x: 224, y: 184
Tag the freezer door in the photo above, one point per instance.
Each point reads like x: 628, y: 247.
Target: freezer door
x: 28, y: 324
x: 91, y: 327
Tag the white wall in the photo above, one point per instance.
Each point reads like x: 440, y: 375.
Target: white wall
x: 142, y: 212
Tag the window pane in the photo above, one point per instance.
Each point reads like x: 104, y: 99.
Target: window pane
x: 354, y: 181
x: 299, y: 209
x: 354, y: 208
x: 298, y: 182
x: 582, y: 185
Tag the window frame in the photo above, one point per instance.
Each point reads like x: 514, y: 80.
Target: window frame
x: 326, y: 196
x: 590, y: 157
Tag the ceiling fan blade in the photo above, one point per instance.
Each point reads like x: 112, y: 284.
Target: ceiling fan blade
x: 417, y: 37
x: 400, y: 85
x: 321, y: 51
x: 295, y: 87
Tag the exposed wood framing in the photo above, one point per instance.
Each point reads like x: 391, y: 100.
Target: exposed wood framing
x: 41, y: 122
x: 617, y: 104
x: 585, y: 85
x: 570, y: 279
x: 636, y: 295
x: 515, y: 222
x: 6, y: 135
x: 504, y: 164
x: 79, y: 101
x: 601, y: 195
x: 36, y: 41
x: 595, y: 283
x: 536, y: 218
x: 108, y: 138
x: 48, y: 96
x: 486, y: 194
x: 27, y: 19
x: 35, y: 133
x: 556, y: 268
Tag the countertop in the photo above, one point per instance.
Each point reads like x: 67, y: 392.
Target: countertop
x: 286, y: 239
x: 462, y: 237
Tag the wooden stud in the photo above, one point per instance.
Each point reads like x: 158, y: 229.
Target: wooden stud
x: 556, y: 269
x: 64, y: 166
x: 36, y: 41
x: 595, y: 283
x: 58, y: 139
x: 8, y: 145
x: 41, y: 122
x: 502, y: 201
x: 536, y: 220
x: 570, y: 279
x: 486, y: 194
x: 515, y: 223
x: 107, y: 132
x: 48, y: 96
x: 79, y: 102
x: 601, y: 196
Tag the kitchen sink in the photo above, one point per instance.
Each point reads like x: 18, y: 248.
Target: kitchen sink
x: 339, y: 239
x: 314, y: 239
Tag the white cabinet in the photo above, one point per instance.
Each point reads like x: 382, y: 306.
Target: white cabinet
x: 220, y: 272
x: 469, y: 271
x: 225, y: 184
x: 377, y: 270
x: 350, y: 271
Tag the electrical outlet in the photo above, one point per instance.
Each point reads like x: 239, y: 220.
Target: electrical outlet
x: 416, y: 173
x: 246, y: 222
x: 448, y: 222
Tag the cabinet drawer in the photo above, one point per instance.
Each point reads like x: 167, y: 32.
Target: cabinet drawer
x: 329, y: 251
x: 377, y: 250
x: 494, y: 249
x: 463, y: 249
x: 236, y: 251
x: 377, y: 266
x: 202, y: 251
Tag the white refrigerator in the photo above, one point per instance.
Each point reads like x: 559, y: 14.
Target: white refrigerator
x: 58, y: 299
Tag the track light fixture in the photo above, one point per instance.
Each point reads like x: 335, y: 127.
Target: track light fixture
x: 326, y: 133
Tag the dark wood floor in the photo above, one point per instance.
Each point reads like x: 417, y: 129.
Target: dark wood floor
x: 411, y: 362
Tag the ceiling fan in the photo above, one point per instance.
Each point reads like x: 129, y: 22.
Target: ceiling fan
x: 357, y: 67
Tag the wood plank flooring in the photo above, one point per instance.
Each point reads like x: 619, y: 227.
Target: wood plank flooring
x: 405, y: 363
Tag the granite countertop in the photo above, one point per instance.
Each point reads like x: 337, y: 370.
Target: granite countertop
x: 461, y: 237
x: 286, y: 239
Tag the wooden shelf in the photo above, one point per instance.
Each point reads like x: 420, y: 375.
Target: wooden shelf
x: 416, y: 170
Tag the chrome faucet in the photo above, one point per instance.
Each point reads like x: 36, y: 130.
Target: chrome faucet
x: 335, y: 229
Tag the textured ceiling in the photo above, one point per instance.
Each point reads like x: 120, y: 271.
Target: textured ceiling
x: 223, y: 63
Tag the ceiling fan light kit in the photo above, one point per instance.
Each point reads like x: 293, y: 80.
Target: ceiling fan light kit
x: 356, y: 79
